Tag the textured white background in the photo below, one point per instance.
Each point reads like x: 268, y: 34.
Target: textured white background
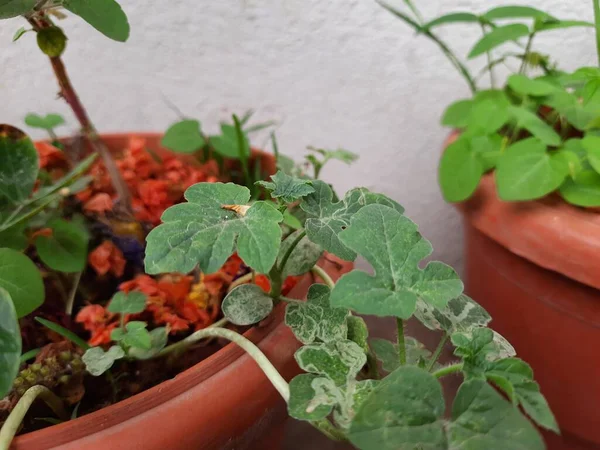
x: 334, y: 72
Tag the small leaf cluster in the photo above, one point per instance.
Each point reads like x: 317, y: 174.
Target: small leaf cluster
x: 343, y: 391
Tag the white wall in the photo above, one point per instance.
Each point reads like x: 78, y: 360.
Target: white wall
x: 335, y: 72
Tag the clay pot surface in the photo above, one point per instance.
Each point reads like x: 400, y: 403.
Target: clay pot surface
x: 224, y: 402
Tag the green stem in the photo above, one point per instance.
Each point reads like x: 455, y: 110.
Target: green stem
x: 276, y: 273
x: 401, y: 343
x: 319, y: 272
x: 448, y: 370
x: 253, y: 351
x: 290, y: 250
x: 414, y: 10
x: 437, y: 352
x: 249, y: 277
x: 13, y: 422
x: 73, y: 293
x: 282, y: 298
x: 30, y: 355
x: 597, y: 20
x: 462, y: 69
x: 489, y: 60
x: 526, y: 55
x: 329, y: 430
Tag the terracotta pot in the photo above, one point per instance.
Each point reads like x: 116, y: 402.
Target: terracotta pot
x: 535, y: 266
x: 224, y: 402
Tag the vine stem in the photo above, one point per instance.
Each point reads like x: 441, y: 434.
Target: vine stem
x: 68, y: 92
x: 448, y: 370
x: 526, y: 55
x: 253, y: 351
x: 276, y: 273
x: 597, y: 21
x: 328, y: 429
x: 320, y: 272
x: 489, y: 60
x: 437, y: 352
x: 401, y: 342
x: 462, y: 69
x: 241, y: 280
x: 11, y: 426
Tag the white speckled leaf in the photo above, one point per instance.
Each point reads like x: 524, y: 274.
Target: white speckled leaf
x: 97, y: 361
x: 287, y: 188
x: 200, y: 232
x: 312, y: 397
x: 387, y: 352
x: 316, y: 319
x: 327, y: 218
x: 393, y: 246
x: 339, y: 361
x: 461, y: 314
x: 247, y: 304
x: 303, y: 258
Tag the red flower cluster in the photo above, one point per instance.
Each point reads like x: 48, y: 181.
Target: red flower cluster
x: 50, y: 157
x: 155, y: 184
x: 107, y: 257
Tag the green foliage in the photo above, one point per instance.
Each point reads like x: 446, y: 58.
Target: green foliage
x: 65, y: 250
x: 304, y: 256
x: 158, y: 341
x: 20, y: 277
x: 387, y: 352
x: 203, y: 232
x: 184, y: 137
x: 395, y: 256
x: 460, y: 17
x: 498, y: 36
x: 322, y: 157
x: 327, y: 218
x: 97, y: 361
x: 106, y: 16
x: 460, y: 170
x: 461, y: 314
x: 52, y: 41
x: 127, y: 303
x: 527, y: 86
x: 14, y: 8
x: 10, y: 343
x: 62, y: 331
x: 47, y: 122
x: 18, y: 165
x: 227, y: 144
x: 338, y: 361
x: 515, y: 12
x: 287, y: 188
x: 133, y: 335
x: 247, y: 304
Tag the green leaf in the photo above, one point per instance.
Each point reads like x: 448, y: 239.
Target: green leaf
x: 127, y: 303
x: 591, y: 144
x: 14, y: 238
x: 64, y: 332
x: 569, y: 106
x: 97, y: 361
x: 315, y: 320
x: 134, y: 335
x: 66, y: 249
x: 489, y: 148
x: 19, y: 33
x: 515, y: 12
x: 387, y: 352
x: 403, y: 412
x: 460, y: 170
x: 339, y: 361
x: 352, y: 397
x: 560, y: 24
x: 287, y: 188
x: 22, y: 280
x: 339, y: 154
x: 497, y: 37
x: 18, y: 165
x: 247, y: 304
x: 473, y: 347
x: 527, y: 171
x: 158, y: 341
x: 184, y: 137
x: 203, y: 232
x: 47, y: 122
x: 308, y: 402
x: 358, y: 332
x: 14, y: 8
x: 106, y: 16
x: 461, y: 314
x: 393, y: 246
x: 584, y: 190
x: 326, y: 218
x: 527, y: 86
x: 226, y: 144
x: 488, y: 116
x: 457, y: 114
x: 535, y: 405
x: 71, y: 180
x: 459, y: 17
x: 10, y: 343
x: 303, y: 258
x: 536, y: 126
x: 483, y: 420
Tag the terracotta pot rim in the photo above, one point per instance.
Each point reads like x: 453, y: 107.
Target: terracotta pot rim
x: 548, y: 232
x: 151, y: 398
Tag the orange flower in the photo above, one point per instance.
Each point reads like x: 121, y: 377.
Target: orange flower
x: 96, y: 319
x: 49, y: 155
x: 99, y: 203
x: 107, y: 257
x: 46, y: 232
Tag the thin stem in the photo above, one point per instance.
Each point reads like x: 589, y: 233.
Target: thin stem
x: 73, y: 293
x: 437, y: 352
x: 319, y: 272
x: 249, y: 277
x: 462, y: 69
x: 489, y: 60
x: 329, y: 430
x: 188, y: 342
x: 401, y: 343
x: 415, y: 11
x: 253, y: 351
x: 523, y: 67
x: 289, y: 300
x: 13, y: 422
x: 68, y: 92
x: 448, y: 370
x: 597, y: 20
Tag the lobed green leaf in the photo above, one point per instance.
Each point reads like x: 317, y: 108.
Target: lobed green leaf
x: 287, y: 188
x: 339, y: 361
x: 97, y: 361
x: 127, y: 303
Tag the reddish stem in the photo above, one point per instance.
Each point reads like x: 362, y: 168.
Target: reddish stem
x: 89, y: 131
